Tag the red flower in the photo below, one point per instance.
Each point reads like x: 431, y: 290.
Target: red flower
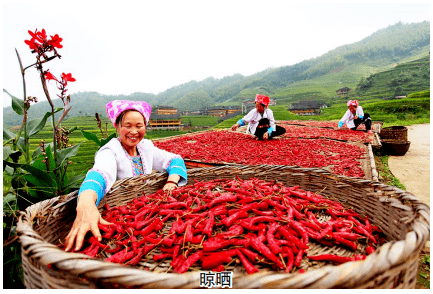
x: 32, y: 44
x: 49, y: 76
x: 39, y: 41
x: 55, y: 41
x: 67, y: 78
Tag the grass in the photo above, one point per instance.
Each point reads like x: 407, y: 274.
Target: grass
x: 385, y: 174
x: 423, y: 277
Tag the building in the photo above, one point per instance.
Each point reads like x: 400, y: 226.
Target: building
x: 219, y: 111
x: 164, y: 117
x: 304, y: 107
x: 343, y: 91
x: 164, y: 121
x: 164, y: 109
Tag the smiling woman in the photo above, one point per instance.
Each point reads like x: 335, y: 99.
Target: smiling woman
x: 126, y: 156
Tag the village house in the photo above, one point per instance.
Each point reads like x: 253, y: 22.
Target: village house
x: 219, y: 111
x: 343, y: 91
x: 164, y: 117
x: 305, y: 107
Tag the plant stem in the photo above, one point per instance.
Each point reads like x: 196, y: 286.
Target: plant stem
x: 24, y: 127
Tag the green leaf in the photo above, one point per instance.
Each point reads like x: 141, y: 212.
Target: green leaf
x: 17, y: 104
x: 7, y: 135
x: 10, y: 203
x: 37, y: 124
x: 8, y: 152
x: 64, y: 154
x: 42, y: 165
x: 91, y: 137
x: 39, y: 174
x: 75, y: 182
x: 105, y: 141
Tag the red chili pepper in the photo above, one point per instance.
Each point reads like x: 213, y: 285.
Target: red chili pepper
x: 158, y: 257
x: 230, y: 220
x: 289, y: 237
x: 189, y: 262
x: 117, y: 256
x: 141, y: 214
x: 360, y: 229
x: 339, y: 240
x: 150, y: 228
x: 346, y: 235
x: 273, y: 245
x: 219, y: 268
x: 215, y: 244
x: 298, y: 258
x: 225, y: 197
x: 218, y: 258
x: 252, y: 256
x: 369, y: 250
x: 326, y: 231
x: 209, y: 225
x: 290, y: 259
x: 298, y: 227
x: 251, y: 269
x: 332, y: 258
x: 260, y: 247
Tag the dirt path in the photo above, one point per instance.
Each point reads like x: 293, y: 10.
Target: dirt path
x: 413, y: 169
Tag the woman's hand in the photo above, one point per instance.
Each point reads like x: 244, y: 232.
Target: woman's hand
x: 87, y: 219
x: 266, y: 136
x: 235, y: 126
x: 170, y: 186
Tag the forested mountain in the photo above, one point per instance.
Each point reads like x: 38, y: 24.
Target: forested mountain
x: 314, y: 78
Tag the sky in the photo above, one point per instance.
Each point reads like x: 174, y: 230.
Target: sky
x: 122, y: 47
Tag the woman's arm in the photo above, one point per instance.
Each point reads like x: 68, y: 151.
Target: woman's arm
x: 344, y: 119
x: 243, y: 121
x: 97, y: 182
x: 87, y: 219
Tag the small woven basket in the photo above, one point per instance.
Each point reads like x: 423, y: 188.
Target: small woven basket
x: 398, y: 133
x: 404, y: 219
x: 395, y: 147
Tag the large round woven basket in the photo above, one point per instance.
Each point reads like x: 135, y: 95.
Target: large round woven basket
x: 404, y: 219
x: 398, y: 133
x: 395, y: 147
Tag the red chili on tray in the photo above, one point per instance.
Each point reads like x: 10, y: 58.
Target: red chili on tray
x: 275, y: 228
x: 224, y: 146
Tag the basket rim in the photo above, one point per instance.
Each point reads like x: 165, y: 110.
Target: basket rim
x: 390, y: 254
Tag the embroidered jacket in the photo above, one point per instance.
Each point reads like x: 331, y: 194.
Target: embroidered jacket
x: 113, y: 163
x: 253, y: 117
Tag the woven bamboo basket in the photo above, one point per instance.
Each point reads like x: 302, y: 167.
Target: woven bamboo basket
x: 404, y: 219
x: 395, y: 147
x: 398, y: 133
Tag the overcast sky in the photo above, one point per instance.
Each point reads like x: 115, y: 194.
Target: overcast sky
x: 122, y: 47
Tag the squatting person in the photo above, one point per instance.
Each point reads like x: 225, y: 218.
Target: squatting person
x: 261, y: 122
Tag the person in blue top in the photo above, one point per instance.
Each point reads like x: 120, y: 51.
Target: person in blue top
x: 126, y: 156
x: 261, y: 122
x: 355, y: 116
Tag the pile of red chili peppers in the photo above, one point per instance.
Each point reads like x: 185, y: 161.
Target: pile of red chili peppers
x: 316, y: 123
x: 214, y: 224
x: 312, y: 132
x: 234, y: 147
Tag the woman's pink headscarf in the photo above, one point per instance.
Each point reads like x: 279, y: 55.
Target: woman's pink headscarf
x: 262, y: 99
x: 116, y: 107
x: 352, y: 103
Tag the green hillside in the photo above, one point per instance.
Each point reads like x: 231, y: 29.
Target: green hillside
x: 316, y: 78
